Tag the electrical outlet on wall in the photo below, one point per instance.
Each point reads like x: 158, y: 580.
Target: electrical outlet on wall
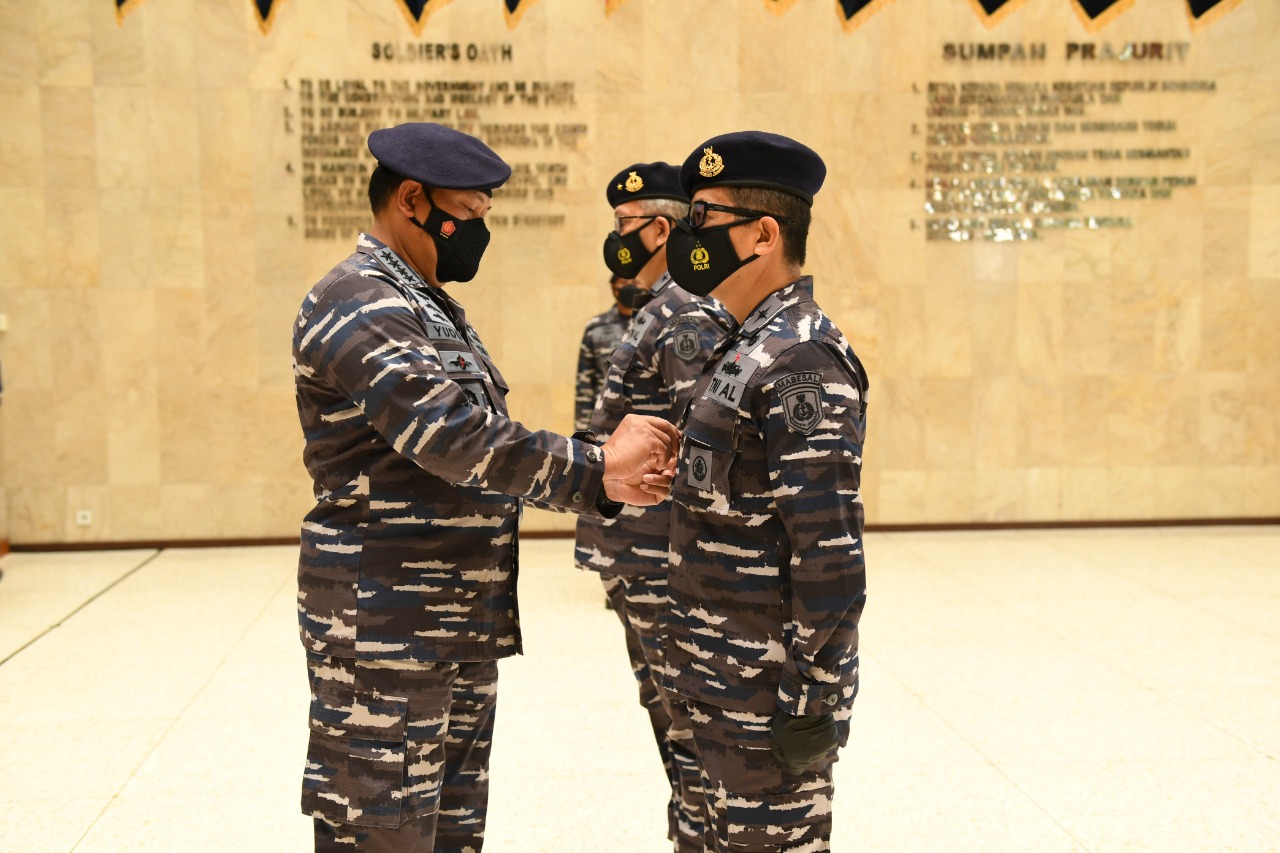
x: 84, y: 517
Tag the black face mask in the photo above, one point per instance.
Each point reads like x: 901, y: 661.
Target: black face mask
x: 625, y: 254
x: 633, y: 297
x: 460, y: 244
x: 700, y: 259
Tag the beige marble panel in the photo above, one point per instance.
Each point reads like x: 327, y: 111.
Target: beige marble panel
x: 896, y: 433
x: 28, y: 348
x: 72, y: 226
x: 1264, y: 232
x: 1039, y: 328
x: 1227, y: 211
x: 172, y: 146
x: 1224, y: 424
x: 30, y: 417
x: 70, y: 141
x: 1226, y: 320
x: 19, y: 44
x: 150, y: 272
x: 1041, y: 427
x: 1263, y: 436
x: 995, y: 423
x: 1044, y: 495
x: 173, y: 62
x: 1086, y: 495
x: 37, y: 513
x: 203, y: 433
x: 949, y: 428
x: 66, y: 43
x: 21, y: 144
x: 1086, y: 410
x: 997, y: 494
x: 1262, y: 491
x: 136, y: 513
x: 121, y: 119
x: 904, y: 497
x: 125, y: 219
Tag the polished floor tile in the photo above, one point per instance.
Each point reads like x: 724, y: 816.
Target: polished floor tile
x: 1106, y: 690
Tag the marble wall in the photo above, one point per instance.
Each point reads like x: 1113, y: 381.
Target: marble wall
x: 153, y: 252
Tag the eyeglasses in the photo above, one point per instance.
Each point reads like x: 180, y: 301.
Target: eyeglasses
x: 698, y: 213
x: 618, y: 220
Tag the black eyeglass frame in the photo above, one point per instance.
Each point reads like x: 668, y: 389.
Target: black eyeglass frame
x: 697, y: 215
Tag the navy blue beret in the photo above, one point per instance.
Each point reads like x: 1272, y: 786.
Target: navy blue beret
x: 753, y: 158
x: 438, y: 156
x: 645, y: 180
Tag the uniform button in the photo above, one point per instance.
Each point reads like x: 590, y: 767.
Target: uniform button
x: 593, y: 455
x: 577, y: 497
x: 833, y: 699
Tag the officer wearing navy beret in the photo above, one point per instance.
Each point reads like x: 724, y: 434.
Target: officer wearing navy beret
x: 766, y: 576
x: 407, y: 572
x: 652, y: 371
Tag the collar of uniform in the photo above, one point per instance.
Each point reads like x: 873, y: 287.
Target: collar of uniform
x: 405, y: 274
x: 800, y: 290
x: 663, y: 282
x: 392, y: 262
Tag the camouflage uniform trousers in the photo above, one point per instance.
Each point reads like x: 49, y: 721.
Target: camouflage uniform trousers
x: 641, y: 605
x: 754, y: 805
x: 399, y: 754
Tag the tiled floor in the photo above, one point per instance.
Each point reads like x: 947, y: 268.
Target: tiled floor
x: 1090, y: 690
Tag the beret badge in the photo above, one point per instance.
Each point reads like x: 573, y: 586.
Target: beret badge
x: 635, y: 183
x: 711, y: 164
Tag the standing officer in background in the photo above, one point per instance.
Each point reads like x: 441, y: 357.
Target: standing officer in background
x: 652, y: 372
x: 602, y: 334
x: 406, y: 579
x: 767, y: 579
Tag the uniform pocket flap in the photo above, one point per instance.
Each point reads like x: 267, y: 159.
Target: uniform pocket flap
x: 756, y: 822
x: 377, y: 718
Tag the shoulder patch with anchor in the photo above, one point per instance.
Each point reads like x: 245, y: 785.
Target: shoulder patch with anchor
x: 686, y: 342
x: 801, y: 397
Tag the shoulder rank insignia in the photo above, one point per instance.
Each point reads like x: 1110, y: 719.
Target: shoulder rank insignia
x: 686, y: 342
x: 635, y: 183
x: 801, y: 397
x: 711, y: 164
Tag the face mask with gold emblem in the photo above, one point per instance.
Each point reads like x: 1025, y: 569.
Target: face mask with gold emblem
x: 625, y: 254
x: 700, y: 259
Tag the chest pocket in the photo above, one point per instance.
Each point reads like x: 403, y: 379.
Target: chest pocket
x: 706, y: 477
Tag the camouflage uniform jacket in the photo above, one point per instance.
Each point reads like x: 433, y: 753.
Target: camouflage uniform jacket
x: 602, y: 334
x: 410, y: 552
x: 766, y: 575
x: 652, y: 372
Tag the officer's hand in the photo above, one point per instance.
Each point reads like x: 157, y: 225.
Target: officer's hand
x: 639, y: 460
x: 799, y: 742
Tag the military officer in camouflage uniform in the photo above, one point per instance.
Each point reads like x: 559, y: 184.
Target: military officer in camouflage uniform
x: 407, y: 572
x: 652, y: 371
x: 766, y: 574
x: 602, y: 333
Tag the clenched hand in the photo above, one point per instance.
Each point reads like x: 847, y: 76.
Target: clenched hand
x: 640, y: 460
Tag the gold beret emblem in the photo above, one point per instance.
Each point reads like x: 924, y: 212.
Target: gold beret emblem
x: 635, y: 183
x: 711, y: 164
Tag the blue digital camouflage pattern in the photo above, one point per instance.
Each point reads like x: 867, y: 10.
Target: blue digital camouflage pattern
x: 766, y: 575
x: 652, y: 371
x: 410, y: 552
x: 599, y: 338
